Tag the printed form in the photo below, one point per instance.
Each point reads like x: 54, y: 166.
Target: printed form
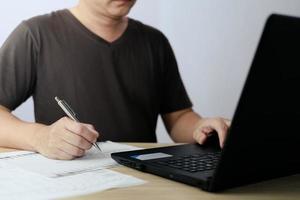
x: 28, y: 175
x: 94, y: 159
x: 16, y: 183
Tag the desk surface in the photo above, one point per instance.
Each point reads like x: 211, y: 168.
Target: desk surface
x: 160, y: 188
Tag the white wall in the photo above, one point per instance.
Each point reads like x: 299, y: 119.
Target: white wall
x: 214, y: 42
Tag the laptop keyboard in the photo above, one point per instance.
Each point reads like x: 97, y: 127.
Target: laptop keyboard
x: 193, y: 163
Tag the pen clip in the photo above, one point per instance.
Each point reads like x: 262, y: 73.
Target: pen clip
x: 68, y: 107
x: 68, y: 110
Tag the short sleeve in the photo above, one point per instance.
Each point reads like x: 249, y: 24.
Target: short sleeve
x: 17, y: 67
x: 173, y: 95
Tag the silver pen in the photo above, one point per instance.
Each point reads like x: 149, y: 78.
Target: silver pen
x: 69, y: 111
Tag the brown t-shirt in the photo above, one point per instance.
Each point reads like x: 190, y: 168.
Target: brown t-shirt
x: 119, y: 87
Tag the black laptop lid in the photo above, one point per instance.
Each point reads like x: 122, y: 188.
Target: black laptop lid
x: 264, y: 139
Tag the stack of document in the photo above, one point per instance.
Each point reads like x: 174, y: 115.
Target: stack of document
x: 28, y: 175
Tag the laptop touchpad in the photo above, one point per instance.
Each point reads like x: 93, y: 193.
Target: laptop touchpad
x: 150, y: 156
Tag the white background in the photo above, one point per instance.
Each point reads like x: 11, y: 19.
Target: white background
x: 214, y: 42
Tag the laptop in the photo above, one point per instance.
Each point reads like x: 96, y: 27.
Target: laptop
x: 263, y: 141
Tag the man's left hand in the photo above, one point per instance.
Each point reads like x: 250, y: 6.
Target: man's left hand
x: 206, y: 126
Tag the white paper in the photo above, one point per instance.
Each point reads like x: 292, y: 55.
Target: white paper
x: 16, y: 183
x: 94, y: 159
x: 15, y: 154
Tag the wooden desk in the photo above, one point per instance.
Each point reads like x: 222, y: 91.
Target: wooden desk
x: 160, y: 188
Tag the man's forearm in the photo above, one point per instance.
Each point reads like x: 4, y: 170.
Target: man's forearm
x: 185, y: 125
x: 15, y: 133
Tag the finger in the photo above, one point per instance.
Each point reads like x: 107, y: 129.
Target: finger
x: 221, y: 128
x: 61, y: 155
x: 71, y: 149
x: 227, y: 122
x: 92, y: 129
x: 200, y: 136
x: 207, y: 130
x: 85, y: 132
x: 81, y: 129
x: 204, y: 134
x: 75, y: 140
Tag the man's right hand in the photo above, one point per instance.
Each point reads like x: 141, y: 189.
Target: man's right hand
x: 65, y: 139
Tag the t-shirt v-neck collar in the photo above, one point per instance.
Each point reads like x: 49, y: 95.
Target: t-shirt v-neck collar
x: 95, y: 36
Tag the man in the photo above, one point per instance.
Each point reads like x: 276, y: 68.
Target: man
x: 117, y: 73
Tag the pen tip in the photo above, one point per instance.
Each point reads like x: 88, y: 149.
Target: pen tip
x: 57, y: 99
